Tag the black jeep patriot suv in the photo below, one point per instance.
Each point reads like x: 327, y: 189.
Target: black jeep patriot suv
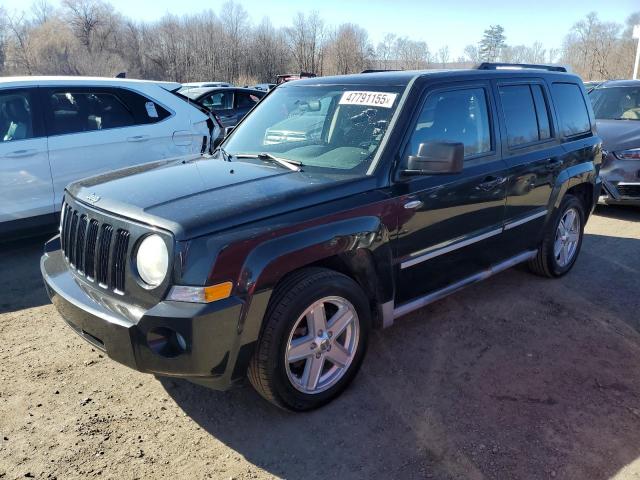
x: 336, y: 206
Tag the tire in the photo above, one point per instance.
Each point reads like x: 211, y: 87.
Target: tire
x: 283, y: 382
x: 546, y: 262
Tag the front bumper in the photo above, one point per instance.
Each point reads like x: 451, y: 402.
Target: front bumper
x: 621, y: 181
x: 129, y: 334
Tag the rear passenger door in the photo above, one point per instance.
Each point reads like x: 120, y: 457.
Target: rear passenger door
x: 534, y: 156
x: 450, y: 225
x: 25, y: 177
x: 93, y: 130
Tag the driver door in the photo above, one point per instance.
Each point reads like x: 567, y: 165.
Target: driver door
x: 451, y: 224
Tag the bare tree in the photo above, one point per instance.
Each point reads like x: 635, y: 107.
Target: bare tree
x: 19, y: 49
x: 597, y: 50
x: 472, y: 54
x: 306, y: 37
x: 90, y: 37
x: 412, y: 55
x: 349, y: 50
x: 42, y: 11
x: 443, y: 56
x: 385, y: 51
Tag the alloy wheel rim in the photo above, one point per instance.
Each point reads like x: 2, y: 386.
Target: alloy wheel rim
x: 567, y: 237
x: 322, y: 344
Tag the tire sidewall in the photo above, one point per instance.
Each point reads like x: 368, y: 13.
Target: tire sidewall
x: 340, y: 286
x: 567, y: 203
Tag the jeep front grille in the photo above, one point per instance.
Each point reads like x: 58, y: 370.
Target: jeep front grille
x: 95, y: 249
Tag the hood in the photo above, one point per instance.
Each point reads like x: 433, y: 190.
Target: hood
x: 619, y: 134
x: 194, y: 197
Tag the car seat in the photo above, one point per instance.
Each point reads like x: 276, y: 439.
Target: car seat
x: 19, y: 118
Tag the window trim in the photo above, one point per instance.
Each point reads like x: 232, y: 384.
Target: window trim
x: 529, y: 146
x: 431, y: 89
x: 47, y: 90
x: 580, y: 135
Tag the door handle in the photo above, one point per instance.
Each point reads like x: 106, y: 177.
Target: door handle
x: 138, y: 138
x: 553, y: 164
x: 491, y: 182
x: 413, y: 204
x: 21, y: 153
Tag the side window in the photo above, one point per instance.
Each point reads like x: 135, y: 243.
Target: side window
x: 219, y: 101
x: 74, y: 112
x: 571, y: 108
x: 459, y: 116
x: 244, y: 100
x: 16, y: 120
x: 519, y: 114
x: 145, y: 111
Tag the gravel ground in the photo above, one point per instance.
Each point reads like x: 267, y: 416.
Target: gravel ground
x: 517, y: 377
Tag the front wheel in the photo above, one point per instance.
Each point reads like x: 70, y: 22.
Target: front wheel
x: 562, y: 241
x: 313, y: 340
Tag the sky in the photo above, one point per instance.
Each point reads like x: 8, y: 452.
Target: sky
x: 455, y: 23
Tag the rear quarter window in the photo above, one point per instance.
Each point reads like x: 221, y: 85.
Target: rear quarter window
x: 571, y: 108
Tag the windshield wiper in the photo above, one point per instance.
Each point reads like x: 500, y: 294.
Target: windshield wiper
x: 290, y: 164
x: 225, y: 156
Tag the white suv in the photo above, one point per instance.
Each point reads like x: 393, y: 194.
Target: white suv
x: 55, y: 130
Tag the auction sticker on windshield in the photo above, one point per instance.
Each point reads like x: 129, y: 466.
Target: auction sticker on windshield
x: 370, y: 99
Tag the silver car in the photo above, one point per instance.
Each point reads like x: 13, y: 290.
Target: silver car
x: 56, y: 130
x: 616, y: 105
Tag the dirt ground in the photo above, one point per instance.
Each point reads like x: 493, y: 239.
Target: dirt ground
x: 517, y: 377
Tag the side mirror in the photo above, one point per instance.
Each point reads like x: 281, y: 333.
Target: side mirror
x: 436, y: 158
x: 228, y: 130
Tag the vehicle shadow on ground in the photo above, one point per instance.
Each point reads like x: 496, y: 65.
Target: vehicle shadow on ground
x: 619, y: 212
x: 21, y: 284
x: 488, y: 383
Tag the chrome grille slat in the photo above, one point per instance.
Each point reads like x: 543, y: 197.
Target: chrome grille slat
x: 66, y: 231
x: 73, y: 230
x: 104, y: 246
x: 95, y: 248
x: 119, y: 259
x: 80, y: 247
x: 90, y: 253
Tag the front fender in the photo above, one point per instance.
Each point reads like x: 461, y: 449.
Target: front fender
x: 271, y: 260
x: 363, y: 241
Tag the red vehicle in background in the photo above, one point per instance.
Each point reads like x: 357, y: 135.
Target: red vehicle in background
x: 287, y: 77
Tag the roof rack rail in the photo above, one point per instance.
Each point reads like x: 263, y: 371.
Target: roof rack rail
x: 380, y: 70
x: 498, y: 65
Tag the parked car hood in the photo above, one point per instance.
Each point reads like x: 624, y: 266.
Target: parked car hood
x: 619, y: 134
x: 197, y: 196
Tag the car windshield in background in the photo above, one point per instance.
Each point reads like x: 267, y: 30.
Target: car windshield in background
x: 336, y: 127
x: 616, y: 103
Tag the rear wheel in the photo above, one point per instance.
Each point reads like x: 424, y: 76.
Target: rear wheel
x: 313, y: 341
x: 562, y: 241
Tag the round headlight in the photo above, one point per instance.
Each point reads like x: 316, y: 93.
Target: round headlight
x: 152, y: 260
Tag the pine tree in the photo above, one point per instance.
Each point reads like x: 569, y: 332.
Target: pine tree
x: 492, y: 43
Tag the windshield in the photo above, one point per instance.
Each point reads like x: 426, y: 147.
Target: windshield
x: 616, y: 103
x: 327, y: 127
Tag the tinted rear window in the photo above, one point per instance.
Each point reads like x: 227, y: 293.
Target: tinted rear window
x: 572, y: 111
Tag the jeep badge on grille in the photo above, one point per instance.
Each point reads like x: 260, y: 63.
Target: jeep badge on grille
x: 93, y: 198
